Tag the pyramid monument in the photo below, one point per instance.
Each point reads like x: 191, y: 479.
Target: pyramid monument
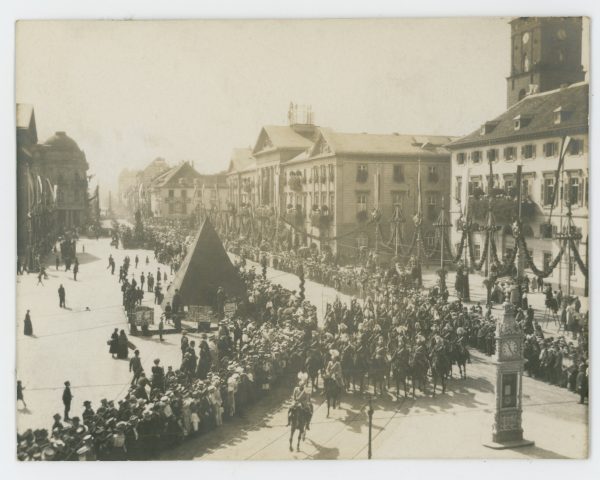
x: 205, y: 268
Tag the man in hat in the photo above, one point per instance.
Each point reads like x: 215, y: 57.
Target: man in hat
x: 57, y: 425
x: 88, y: 412
x: 66, y: 398
x: 301, y: 399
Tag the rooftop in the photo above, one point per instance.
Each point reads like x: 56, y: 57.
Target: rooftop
x: 539, y: 109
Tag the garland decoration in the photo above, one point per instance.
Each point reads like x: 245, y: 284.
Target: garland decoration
x: 522, y: 243
x: 578, y: 259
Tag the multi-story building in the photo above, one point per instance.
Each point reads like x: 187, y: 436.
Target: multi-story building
x: 241, y: 178
x: 344, y: 178
x: 181, y: 191
x: 533, y: 133
x: 36, y: 218
x: 328, y: 183
x: 126, y: 184
x: 65, y: 165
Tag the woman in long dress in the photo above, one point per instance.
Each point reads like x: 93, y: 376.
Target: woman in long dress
x: 123, y: 345
x: 27, y: 326
x: 114, y: 343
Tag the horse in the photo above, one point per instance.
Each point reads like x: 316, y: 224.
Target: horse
x: 377, y: 372
x: 298, y: 421
x: 460, y: 355
x: 440, y: 367
x: 314, y: 362
x: 348, y: 365
x: 360, y: 368
x: 418, y: 365
x: 332, y: 392
x: 401, y: 370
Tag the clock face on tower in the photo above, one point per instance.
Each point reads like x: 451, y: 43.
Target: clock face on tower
x: 510, y: 348
x: 561, y: 34
x: 525, y: 38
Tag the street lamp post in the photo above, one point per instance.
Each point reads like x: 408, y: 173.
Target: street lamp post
x: 370, y: 413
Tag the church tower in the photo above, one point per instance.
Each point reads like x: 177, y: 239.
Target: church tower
x: 545, y: 54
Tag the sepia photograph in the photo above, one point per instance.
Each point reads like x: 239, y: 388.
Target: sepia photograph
x: 302, y: 239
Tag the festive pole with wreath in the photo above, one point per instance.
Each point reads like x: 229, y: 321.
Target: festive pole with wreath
x: 442, y: 225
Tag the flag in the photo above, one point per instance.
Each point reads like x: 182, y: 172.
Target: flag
x: 41, y: 189
x: 377, y: 181
x: 561, y: 162
x: 419, y: 197
x: 465, y: 192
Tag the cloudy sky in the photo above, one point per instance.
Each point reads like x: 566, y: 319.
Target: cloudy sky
x: 128, y: 92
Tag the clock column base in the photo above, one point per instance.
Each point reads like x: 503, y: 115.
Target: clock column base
x: 509, y: 444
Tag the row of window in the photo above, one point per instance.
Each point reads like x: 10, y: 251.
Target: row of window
x: 549, y: 149
x: 362, y: 173
x: 575, y: 191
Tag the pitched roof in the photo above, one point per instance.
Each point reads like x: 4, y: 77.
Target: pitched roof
x: 25, y: 115
x: 241, y: 159
x: 205, y: 268
x: 539, y: 109
x: 171, y: 177
x: 385, y: 145
x: 281, y: 137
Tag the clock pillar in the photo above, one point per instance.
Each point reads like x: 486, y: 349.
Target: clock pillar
x: 507, y: 430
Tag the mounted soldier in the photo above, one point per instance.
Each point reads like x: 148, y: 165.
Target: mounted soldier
x: 301, y: 400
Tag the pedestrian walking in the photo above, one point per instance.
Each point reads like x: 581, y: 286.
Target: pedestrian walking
x: 83, y: 247
x: 57, y: 261
x: 67, y: 397
x: 20, y: 396
x: 61, y: 297
x: 40, y: 275
x: 135, y: 366
x: 142, y: 280
x: 137, y: 260
x: 27, y: 325
x: 75, y: 269
x: 161, y: 327
x: 147, y: 260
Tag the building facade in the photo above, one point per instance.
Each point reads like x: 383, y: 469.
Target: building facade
x: 65, y: 165
x: 547, y: 119
x: 36, y: 215
x: 327, y: 185
x: 181, y: 192
x: 346, y: 180
x: 531, y: 134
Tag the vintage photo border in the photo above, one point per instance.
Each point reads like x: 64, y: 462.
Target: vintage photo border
x: 140, y: 9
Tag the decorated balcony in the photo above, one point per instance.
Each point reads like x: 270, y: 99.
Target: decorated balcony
x: 504, y: 209
x: 294, y: 215
x: 320, y: 217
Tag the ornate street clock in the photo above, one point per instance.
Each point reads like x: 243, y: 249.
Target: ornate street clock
x: 507, y: 431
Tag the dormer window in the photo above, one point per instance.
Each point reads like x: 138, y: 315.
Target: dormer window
x: 488, y: 127
x: 560, y: 115
x: 521, y: 121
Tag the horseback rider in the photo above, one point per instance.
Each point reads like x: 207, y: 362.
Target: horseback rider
x: 462, y: 340
x: 301, y: 399
x: 334, y: 368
